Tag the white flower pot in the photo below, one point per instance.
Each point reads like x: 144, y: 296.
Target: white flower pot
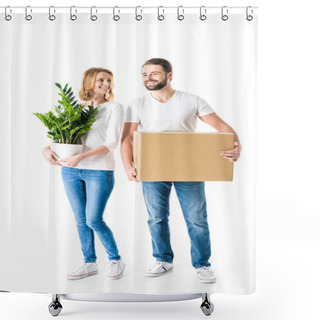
x: 66, y: 150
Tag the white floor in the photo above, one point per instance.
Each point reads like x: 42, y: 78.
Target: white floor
x: 287, y: 290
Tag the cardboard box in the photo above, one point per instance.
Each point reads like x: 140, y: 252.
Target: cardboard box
x: 182, y: 156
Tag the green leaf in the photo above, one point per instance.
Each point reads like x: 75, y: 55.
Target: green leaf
x: 65, y: 87
x: 69, y: 96
x: 71, y: 120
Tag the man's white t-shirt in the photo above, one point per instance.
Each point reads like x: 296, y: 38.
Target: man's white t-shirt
x: 179, y: 113
x: 106, y: 130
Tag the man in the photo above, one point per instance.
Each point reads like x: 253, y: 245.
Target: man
x: 166, y: 109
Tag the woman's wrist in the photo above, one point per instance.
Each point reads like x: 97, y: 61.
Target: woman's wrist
x: 81, y: 156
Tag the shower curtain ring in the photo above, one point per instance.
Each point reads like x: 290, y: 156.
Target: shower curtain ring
x: 93, y: 17
x: 249, y: 16
x: 203, y: 12
x: 7, y: 16
x: 138, y: 16
x: 224, y: 13
x: 52, y: 16
x: 180, y: 15
x: 160, y: 16
x: 116, y: 17
x: 28, y: 16
x: 73, y: 16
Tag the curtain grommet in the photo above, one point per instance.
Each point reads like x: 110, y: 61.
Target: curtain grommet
x: 73, y: 16
x: 180, y: 15
x: 116, y: 17
x: 160, y: 16
x: 52, y: 17
x: 138, y: 16
x: 224, y: 13
x: 93, y: 17
x: 28, y: 16
x: 249, y: 17
x: 203, y: 13
x: 7, y: 16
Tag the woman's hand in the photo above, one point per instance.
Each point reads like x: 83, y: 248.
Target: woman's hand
x: 71, y: 161
x: 50, y: 156
x: 232, y: 155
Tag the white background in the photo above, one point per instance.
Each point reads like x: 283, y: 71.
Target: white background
x: 288, y: 216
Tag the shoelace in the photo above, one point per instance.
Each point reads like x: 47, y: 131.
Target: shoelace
x: 113, y: 266
x: 81, y: 269
x: 158, y: 264
x: 205, y: 270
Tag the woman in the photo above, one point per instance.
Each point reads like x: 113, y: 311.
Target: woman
x: 88, y: 177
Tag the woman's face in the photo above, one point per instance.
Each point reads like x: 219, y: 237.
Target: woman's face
x: 103, y: 83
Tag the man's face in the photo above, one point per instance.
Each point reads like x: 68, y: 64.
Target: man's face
x: 154, y: 77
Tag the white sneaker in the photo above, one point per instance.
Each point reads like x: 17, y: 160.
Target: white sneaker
x: 158, y: 269
x: 205, y: 274
x: 88, y: 269
x: 115, y: 269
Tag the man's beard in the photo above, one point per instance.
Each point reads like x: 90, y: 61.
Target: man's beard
x: 159, y: 86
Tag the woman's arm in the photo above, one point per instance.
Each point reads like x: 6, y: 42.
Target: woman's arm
x: 74, y: 160
x: 113, y: 131
x: 50, y: 156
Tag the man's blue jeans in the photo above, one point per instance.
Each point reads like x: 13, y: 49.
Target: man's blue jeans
x: 88, y: 192
x: 192, y: 200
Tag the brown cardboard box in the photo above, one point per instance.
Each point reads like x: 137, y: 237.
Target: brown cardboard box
x: 182, y: 156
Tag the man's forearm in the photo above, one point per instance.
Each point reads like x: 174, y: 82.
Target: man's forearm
x: 226, y: 128
x: 126, y: 153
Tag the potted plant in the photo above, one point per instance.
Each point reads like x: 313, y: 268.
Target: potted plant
x: 70, y: 123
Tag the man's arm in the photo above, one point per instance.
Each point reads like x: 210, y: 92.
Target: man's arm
x: 127, y: 149
x: 216, y: 122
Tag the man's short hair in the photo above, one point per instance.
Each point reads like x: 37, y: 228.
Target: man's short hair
x: 166, y: 65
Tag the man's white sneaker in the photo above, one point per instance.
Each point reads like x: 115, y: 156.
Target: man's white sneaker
x: 159, y: 268
x: 88, y: 269
x: 205, y: 274
x: 115, y: 269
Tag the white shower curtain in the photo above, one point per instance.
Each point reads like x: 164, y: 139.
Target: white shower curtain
x: 214, y: 59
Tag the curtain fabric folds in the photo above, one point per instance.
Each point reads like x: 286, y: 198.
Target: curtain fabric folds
x: 39, y: 243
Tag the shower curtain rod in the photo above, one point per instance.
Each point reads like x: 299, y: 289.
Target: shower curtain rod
x: 120, y: 7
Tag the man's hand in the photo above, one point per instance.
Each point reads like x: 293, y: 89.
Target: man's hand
x: 232, y: 155
x: 132, y: 173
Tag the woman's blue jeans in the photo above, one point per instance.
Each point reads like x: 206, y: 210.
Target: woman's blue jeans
x: 88, y: 192
x: 192, y: 200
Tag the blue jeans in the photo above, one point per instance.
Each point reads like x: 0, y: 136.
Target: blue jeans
x: 192, y: 200
x: 88, y: 192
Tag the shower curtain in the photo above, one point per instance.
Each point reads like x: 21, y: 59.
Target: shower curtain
x: 213, y: 57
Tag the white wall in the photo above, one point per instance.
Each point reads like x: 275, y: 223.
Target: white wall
x: 288, y: 214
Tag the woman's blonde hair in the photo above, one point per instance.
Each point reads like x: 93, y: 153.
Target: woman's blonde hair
x: 88, y: 82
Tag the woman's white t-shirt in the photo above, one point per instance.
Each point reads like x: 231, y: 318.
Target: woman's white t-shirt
x: 106, y: 130
x: 179, y: 113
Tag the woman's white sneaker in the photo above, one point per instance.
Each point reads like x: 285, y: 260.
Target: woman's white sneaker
x: 205, y: 274
x: 158, y: 269
x: 115, y: 269
x: 88, y: 269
